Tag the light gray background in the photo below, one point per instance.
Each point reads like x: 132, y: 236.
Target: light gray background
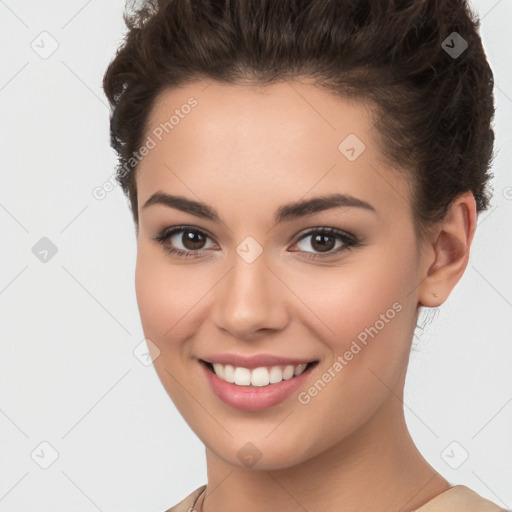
x: 68, y: 327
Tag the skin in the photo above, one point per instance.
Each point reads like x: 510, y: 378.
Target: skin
x: 245, y: 151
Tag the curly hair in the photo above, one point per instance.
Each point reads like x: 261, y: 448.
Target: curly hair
x: 434, y: 109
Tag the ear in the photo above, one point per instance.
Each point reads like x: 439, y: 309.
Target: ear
x: 446, y: 254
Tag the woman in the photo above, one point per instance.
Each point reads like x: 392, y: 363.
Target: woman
x: 304, y: 177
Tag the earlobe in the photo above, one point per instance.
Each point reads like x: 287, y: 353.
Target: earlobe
x: 450, y: 249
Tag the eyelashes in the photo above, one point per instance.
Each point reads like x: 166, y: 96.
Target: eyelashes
x: 196, y: 236
x: 167, y: 234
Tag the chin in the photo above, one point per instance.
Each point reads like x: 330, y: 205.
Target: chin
x: 260, y: 454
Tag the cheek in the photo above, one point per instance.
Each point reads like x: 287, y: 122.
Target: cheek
x: 164, y: 297
x: 151, y: 298
x: 169, y: 296
x: 367, y: 313
x: 159, y: 292
x: 373, y: 326
x: 347, y: 299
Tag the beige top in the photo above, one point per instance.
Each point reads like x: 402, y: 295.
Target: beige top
x: 456, y: 499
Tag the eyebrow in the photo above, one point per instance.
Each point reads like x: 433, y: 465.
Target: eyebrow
x: 287, y: 212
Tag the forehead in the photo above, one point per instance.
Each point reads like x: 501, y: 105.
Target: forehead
x: 249, y: 114
x: 273, y: 144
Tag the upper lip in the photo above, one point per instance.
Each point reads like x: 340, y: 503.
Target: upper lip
x: 254, y: 360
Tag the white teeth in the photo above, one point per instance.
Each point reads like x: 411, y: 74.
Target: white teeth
x: 219, y: 370
x: 288, y: 372
x: 259, y: 377
x: 229, y: 373
x: 299, y: 369
x: 242, y: 376
x: 276, y: 375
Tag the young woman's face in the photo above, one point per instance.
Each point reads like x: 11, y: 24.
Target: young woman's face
x: 263, y: 277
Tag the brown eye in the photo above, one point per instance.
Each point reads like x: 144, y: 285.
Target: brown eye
x: 183, y: 241
x: 325, y: 242
x: 193, y: 240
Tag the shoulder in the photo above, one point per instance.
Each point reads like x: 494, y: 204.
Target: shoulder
x: 460, y: 499
x: 187, y: 503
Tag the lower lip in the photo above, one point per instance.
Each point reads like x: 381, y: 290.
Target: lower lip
x: 254, y: 398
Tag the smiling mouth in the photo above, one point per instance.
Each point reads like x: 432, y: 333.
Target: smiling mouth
x: 257, y: 377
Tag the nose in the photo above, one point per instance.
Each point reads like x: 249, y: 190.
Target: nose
x: 250, y: 300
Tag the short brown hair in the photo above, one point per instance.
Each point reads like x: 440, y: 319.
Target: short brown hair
x: 434, y: 109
